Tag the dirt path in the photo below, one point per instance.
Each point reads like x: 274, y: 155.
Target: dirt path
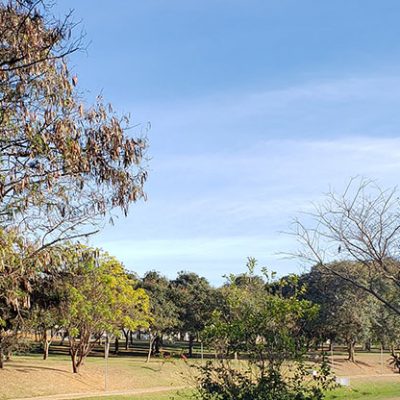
x: 70, y: 396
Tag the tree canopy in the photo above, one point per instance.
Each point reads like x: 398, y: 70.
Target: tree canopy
x: 100, y: 299
x: 63, y: 163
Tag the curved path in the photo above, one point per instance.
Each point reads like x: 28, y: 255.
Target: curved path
x: 71, y: 396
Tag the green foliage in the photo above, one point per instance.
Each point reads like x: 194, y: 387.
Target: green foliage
x: 163, y: 310
x: 347, y: 313
x: 386, y: 327
x: 100, y: 298
x: 256, y: 320
x: 221, y: 381
x: 100, y: 295
x: 194, y: 299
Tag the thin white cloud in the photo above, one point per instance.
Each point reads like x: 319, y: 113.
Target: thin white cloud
x: 354, y: 106
x: 230, y: 172
x: 241, y: 210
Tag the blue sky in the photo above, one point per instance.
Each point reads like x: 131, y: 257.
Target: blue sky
x: 256, y: 107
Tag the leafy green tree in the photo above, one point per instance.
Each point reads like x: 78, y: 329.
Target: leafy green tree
x: 264, y: 326
x: 46, y: 308
x: 193, y: 297
x: 346, y: 313
x: 100, y: 300
x: 163, y: 311
x: 386, y: 328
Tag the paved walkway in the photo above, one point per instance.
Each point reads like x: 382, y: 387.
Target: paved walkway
x: 70, y: 396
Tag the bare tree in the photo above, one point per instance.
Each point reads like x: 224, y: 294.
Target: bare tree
x: 361, y: 225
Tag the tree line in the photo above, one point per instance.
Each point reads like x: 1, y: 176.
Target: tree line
x: 88, y: 295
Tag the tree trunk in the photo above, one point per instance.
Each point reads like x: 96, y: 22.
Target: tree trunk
x: 106, y: 348
x: 116, y: 347
x: 75, y: 365
x: 80, y: 348
x: 191, y: 341
x: 1, y: 358
x: 131, y: 337
x: 63, y: 337
x: 46, y: 345
x: 151, y: 340
x: 157, y: 344
x: 126, y: 334
x: 46, y: 350
x: 351, y: 350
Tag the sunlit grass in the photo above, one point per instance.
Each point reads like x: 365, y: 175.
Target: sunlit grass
x: 367, y: 390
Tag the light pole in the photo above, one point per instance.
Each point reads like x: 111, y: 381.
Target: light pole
x: 106, y: 351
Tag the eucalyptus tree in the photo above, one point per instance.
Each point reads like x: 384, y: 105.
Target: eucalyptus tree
x: 65, y: 165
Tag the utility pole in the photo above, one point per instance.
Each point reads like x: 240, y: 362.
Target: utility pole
x: 106, y: 351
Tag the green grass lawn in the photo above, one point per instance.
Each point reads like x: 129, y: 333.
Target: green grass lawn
x: 359, y: 390
x: 367, y: 390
